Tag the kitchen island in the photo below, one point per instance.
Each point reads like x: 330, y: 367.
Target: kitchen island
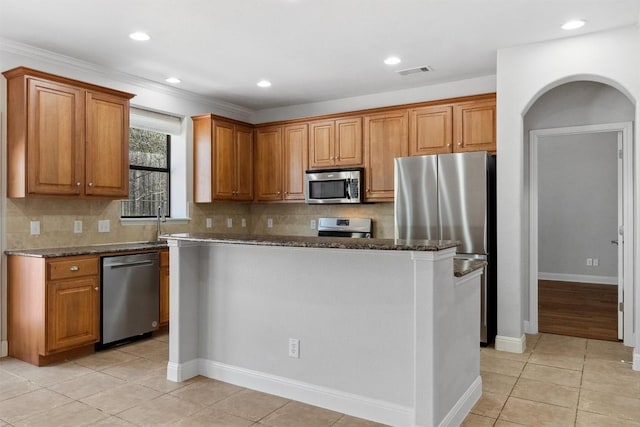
x: 373, y: 328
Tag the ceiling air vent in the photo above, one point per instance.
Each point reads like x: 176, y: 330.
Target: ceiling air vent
x: 422, y: 69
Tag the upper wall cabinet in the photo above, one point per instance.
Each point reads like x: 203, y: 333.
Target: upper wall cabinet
x: 281, y: 159
x: 65, y: 137
x: 385, y: 138
x: 453, y: 128
x: 475, y: 125
x: 335, y: 143
x: 222, y: 159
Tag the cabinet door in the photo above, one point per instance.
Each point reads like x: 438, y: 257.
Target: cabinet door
x: 107, y: 145
x: 55, y: 139
x: 72, y: 313
x: 430, y: 130
x: 348, y: 148
x: 224, y: 179
x: 321, y: 144
x: 202, y: 160
x: 269, y: 164
x: 294, y: 160
x: 243, y: 163
x: 475, y: 126
x: 386, y: 137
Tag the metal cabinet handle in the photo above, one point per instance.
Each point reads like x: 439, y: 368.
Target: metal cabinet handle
x: 614, y: 242
x: 74, y: 268
x: 449, y: 145
x: 78, y: 184
x: 96, y: 288
x: 91, y: 184
x: 459, y: 144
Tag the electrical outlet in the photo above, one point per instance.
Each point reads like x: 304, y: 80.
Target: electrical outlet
x: 589, y: 261
x: 312, y: 224
x: 269, y: 222
x: 209, y: 222
x: 104, y: 226
x: 77, y: 226
x: 244, y: 222
x: 294, y: 348
x: 229, y: 222
x: 35, y: 228
x: 596, y: 261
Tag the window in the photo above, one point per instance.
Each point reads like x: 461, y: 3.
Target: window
x: 149, y: 174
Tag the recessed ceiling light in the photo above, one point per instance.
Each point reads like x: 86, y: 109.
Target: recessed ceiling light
x: 139, y: 36
x: 392, y: 60
x: 574, y: 24
x: 173, y: 80
x: 264, y: 83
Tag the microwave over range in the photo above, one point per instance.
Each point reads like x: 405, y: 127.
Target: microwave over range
x: 334, y: 186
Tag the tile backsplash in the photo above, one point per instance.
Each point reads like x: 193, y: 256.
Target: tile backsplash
x: 57, y: 218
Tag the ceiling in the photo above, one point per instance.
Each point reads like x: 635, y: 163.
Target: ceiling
x: 311, y: 50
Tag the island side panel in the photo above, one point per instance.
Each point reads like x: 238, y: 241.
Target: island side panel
x: 351, y: 309
x: 184, y: 316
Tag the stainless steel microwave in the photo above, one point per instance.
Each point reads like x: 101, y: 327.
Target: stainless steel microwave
x: 333, y: 186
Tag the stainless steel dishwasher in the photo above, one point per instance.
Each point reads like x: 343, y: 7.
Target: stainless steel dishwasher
x: 130, y: 296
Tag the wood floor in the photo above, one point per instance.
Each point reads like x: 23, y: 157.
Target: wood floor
x: 578, y: 309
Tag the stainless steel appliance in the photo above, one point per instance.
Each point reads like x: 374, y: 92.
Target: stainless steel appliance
x: 333, y: 186
x: 130, y: 296
x: 344, y: 227
x: 452, y: 197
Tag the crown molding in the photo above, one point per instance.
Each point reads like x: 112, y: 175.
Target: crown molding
x: 11, y: 46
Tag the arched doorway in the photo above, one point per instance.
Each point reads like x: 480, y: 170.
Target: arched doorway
x: 580, y: 122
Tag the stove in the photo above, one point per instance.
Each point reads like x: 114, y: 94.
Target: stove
x: 344, y: 227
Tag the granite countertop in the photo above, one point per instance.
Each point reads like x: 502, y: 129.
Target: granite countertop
x: 317, y: 242
x: 88, y: 250
x: 462, y: 267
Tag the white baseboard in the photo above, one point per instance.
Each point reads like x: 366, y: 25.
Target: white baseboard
x: 511, y: 345
x: 347, y: 403
x: 582, y: 278
x: 463, y: 406
x: 4, y: 348
x: 636, y: 359
x: 178, y: 372
x: 530, y: 327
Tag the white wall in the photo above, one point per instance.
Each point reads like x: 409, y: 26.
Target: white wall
x: 578, y: 206
x: 524, y: 73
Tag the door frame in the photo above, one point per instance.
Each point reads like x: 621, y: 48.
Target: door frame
x: 624, y: 130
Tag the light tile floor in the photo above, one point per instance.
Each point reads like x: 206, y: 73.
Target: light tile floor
x: 127, y: 386
x: 559, y: 381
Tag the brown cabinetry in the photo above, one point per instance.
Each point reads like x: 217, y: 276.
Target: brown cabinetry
x: 281, y: 160
x: 335, y: 142
x: 385, y: 138
x: 475, y: 125
x: 65, y: 137
x: 164, y: 287
x: 53, y: 306
x: 222, y: 159
x: 453, y: 128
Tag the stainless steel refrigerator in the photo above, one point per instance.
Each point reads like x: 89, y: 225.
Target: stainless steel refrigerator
x: 452, y: 197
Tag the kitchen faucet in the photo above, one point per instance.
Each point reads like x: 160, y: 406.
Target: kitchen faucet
x: 159, y: 218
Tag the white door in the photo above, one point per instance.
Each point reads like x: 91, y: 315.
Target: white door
x: 619, y: 240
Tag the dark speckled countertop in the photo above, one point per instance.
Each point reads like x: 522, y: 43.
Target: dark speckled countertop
x: 88, y: 250
x: 461, y: 267
x: 317, y: 242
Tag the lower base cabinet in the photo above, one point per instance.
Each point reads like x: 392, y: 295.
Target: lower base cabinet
x: 164, y: 287
x: 53, y: 306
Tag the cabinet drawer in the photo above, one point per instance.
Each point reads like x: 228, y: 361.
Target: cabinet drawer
x: 73, y: 267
